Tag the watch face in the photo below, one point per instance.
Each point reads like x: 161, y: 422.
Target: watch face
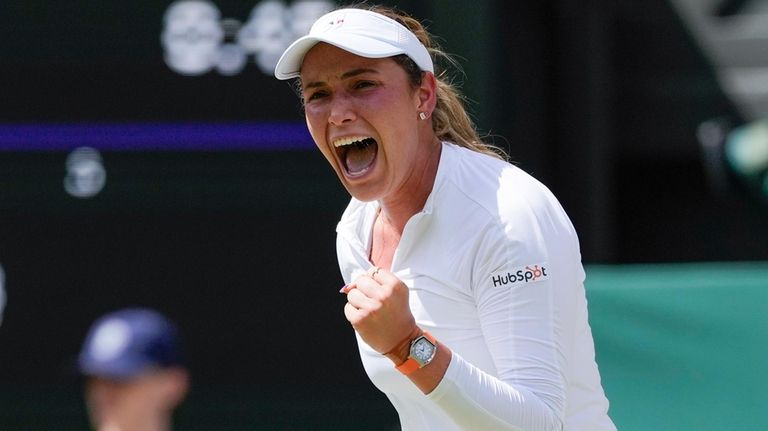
x: 423, y: 350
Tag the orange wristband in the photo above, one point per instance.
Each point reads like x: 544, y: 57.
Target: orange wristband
x: 405, y: 344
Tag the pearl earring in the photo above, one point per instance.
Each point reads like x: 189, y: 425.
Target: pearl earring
x: 422, y: 115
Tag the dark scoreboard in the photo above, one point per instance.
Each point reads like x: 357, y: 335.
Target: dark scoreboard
x: 147, y: 61
x: 148, y: 157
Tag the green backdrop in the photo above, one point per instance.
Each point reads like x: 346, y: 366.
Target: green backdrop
x: 682, y: 346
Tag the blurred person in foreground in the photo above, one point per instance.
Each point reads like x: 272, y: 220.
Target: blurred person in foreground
x: 464, y: 275
x: 134, y: 373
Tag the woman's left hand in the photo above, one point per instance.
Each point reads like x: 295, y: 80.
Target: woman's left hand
x: 377, y: 307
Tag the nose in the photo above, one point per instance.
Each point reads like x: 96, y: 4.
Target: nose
x: 341, y: 110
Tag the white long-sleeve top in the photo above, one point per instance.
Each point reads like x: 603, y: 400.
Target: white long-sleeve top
x: 494, y: 272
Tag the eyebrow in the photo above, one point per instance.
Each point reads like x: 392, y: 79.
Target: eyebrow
x: 345, y: 75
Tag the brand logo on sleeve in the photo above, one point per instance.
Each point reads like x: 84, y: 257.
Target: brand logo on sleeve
x: 527, y: 274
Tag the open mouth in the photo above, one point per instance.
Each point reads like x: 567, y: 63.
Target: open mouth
x: 357, y: 154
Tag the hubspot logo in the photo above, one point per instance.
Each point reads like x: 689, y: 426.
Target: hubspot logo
x: 527, y: 274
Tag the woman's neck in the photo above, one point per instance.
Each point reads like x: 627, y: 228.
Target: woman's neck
x: 396, y: 210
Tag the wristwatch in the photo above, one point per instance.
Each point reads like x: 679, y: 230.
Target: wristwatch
x: 423, y: 349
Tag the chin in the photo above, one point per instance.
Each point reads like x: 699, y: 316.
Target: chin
x: 361, y: 193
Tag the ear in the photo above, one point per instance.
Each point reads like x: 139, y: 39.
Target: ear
x: 427, y: 94
x: 176, y: 386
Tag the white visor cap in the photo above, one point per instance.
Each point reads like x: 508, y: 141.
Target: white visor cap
x: 361, y: 32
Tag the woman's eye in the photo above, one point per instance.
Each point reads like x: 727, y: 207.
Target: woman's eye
x: 316, y: 95
x: 364, y: 84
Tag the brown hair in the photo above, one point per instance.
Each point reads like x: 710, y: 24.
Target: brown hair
x: 450, y: 120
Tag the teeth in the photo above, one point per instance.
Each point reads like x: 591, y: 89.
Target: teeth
x: 349, y: 140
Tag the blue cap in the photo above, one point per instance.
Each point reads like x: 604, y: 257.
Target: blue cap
x: 127, y: 342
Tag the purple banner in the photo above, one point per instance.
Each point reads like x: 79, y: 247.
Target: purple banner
x: 155, y: 136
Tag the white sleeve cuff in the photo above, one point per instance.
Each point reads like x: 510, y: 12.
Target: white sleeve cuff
x: 476, y: 400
